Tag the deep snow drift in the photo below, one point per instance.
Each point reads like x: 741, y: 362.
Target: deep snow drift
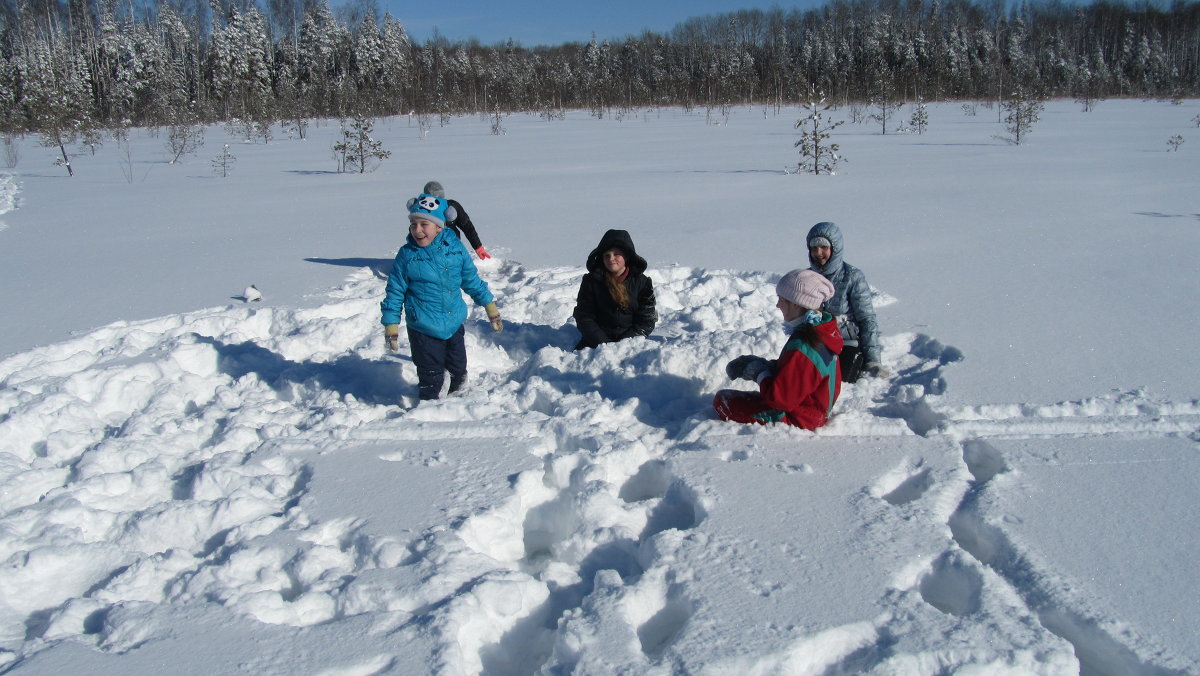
x: 190, y: 480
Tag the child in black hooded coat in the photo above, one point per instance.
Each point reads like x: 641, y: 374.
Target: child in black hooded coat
x: 616, y: 298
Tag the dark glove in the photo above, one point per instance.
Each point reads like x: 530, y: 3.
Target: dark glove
x: 755, y: 370
x: 734, y: 368
x: 747, y: 367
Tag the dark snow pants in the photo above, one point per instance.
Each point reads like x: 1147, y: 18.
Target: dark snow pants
x: 433, y: 357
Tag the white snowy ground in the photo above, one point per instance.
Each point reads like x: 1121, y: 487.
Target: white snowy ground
x: 196, y: 484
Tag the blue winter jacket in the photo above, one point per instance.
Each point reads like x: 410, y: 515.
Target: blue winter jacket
x: 851, y: 301
x: 427, y: 283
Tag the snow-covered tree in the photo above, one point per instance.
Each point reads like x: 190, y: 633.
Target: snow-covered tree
x: 222, y: 164
x: 175, y: 86
x: 322, y: 61
x: 884, y: 104
x: 56, y: 96
x: 184, y: 139
x: 368, y: 59
x: 920, y: 116
x: 395, y: 63
x: 242, y: 60
x: 1021, y: 111
x: 357, y: 150
x: 819, y: 154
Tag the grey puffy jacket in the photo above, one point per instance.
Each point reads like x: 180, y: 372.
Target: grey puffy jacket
x: 851, y: 302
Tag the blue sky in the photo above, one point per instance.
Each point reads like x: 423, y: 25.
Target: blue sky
x: 539, y: 22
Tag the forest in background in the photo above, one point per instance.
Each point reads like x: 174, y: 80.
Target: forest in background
x: 72, y: 69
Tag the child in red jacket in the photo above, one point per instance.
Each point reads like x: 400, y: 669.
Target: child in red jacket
x: 801, y: 386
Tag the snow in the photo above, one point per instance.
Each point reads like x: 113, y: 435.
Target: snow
x: 193, y: 480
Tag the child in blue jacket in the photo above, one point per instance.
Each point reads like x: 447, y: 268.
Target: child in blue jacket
x: 427, y: 279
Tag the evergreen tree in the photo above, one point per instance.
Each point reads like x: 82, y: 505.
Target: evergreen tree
x: 357, y: 150
x: 395, y: 64
x: 1021, y: 111
x: 818, y: 153
x: 56, y: 96
x: 166, y: 64
x: 368, y: 63
x: 222, y: 164
x: 884, y: 103
x: 920, y: 116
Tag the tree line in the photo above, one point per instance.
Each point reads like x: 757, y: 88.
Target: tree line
x: 72, y: 68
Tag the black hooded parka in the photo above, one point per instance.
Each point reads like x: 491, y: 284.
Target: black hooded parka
x: 599, y: 318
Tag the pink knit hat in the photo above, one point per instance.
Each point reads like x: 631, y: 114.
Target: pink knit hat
x: 806, y: 288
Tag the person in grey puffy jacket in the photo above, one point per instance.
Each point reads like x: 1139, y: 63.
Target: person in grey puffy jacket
x: 851, y: 302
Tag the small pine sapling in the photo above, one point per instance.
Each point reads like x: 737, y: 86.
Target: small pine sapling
x: 91, y: 139
x: 820, y: 155
x: 1174, y: 142
x: 1087, y: 102
x: 184, y: 139
x: 223, y: 163
x: 296, y: 127
x: 424, y: 124
x: 1022, y: 110
x: 121, y: 136
x: 920, y: 117
x: 884, y: 103
x: 242, y: 128
x: 498, y: 122
x: 357, y: 150
x: 262, y: 131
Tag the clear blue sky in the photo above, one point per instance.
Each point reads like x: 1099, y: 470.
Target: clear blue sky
x: 551, y: 22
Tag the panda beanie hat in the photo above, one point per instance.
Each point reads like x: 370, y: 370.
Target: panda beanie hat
x: 432, y: 208
x: 806, y: 288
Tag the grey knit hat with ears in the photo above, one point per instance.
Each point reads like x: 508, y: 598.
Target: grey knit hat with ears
x: 434, y: 188
x: 807, y: 288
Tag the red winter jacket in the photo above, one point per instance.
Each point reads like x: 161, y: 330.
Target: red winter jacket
x: 807, y: 381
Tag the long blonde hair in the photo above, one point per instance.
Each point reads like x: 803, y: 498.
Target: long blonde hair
x: 617, y: 289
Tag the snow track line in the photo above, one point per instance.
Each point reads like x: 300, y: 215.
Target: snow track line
x: 217, y: 418
x: 1092, y: 426
x: 1099, y: 653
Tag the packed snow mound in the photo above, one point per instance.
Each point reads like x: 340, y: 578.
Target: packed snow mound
x: 561, y: 514
x: 8, y: 195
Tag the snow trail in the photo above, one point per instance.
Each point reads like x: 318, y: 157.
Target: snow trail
x: 183, y: 460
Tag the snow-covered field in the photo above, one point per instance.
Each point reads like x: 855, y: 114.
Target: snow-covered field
x: 194, y: 484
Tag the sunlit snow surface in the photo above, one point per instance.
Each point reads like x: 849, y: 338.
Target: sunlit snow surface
x: 247, y: 488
